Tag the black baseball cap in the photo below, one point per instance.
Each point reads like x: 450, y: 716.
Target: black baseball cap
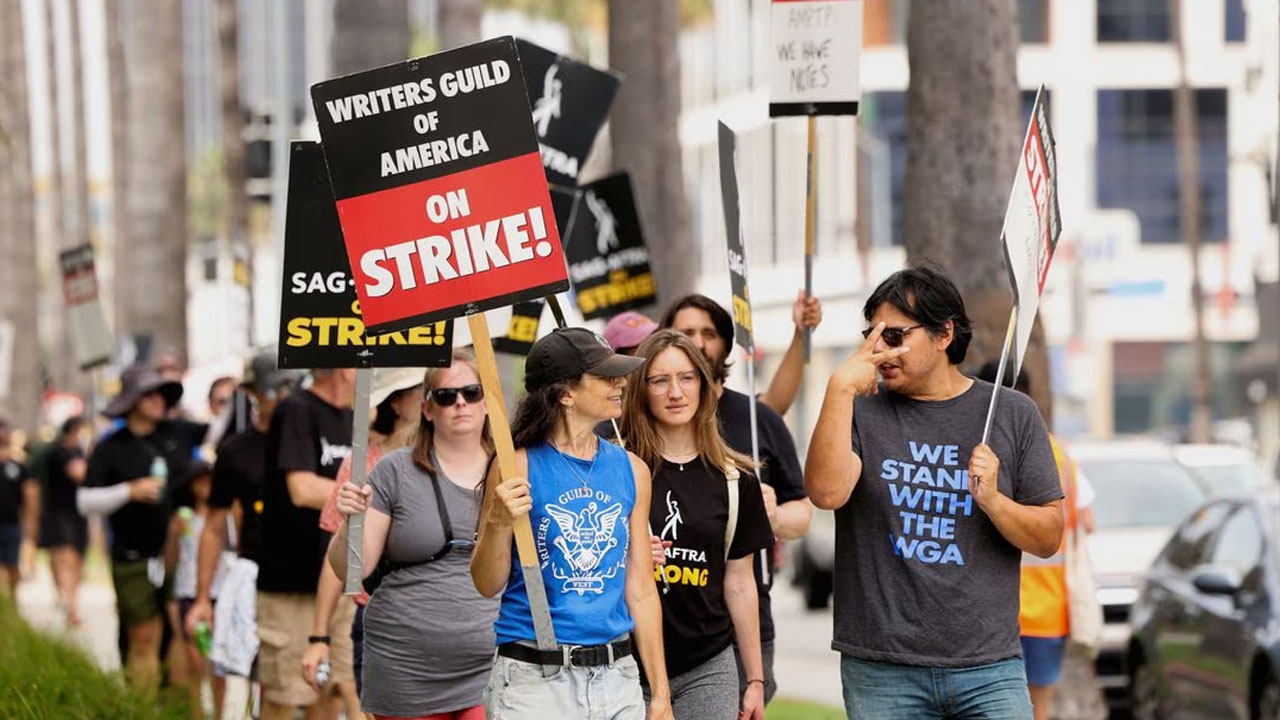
x: 568, y: 353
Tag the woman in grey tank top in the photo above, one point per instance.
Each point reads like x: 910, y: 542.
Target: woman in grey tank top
x: 428, y: 643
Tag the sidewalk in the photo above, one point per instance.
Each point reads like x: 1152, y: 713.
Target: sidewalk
x: 38, y: 604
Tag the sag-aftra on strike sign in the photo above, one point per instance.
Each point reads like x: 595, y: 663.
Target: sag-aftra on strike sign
x: 439, y: 186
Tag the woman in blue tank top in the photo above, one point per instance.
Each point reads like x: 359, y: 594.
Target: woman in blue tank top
x: 588, y: 503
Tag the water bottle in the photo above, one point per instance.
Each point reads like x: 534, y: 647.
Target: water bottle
x: 204, y: 638
x: 160, y: 469
x: 322, y: 673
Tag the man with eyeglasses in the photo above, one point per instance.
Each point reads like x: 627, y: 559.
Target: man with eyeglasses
x: 931, y: 523
x: 309, y: 436
x: 709, y: 326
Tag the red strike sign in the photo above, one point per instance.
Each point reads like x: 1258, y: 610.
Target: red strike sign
x: 422, y: 249
x: 1038, y: 179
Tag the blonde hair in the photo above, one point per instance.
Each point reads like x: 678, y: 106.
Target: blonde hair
x: 424, y: 443
x: 638, y: 429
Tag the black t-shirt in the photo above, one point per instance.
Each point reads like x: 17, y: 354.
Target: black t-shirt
x: 59, y: 499
x: 780, y: 470
x: 12, y: 476
x: 238, y: 475
x: 690, y: 508
x: 307, y: 435
x: 138, y: 529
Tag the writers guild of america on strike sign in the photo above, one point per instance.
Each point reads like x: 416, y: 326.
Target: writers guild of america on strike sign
x: 439, y: 184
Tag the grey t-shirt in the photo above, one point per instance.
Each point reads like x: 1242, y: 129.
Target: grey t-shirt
x: 922, y: 576
x: 428, y: 634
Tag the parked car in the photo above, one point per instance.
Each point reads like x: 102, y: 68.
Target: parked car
x: 814, y: 560
x: 1142, y: 495
x: 1223, y: 469
x: 1206, y: 627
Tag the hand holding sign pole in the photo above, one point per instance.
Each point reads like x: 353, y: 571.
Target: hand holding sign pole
x: 1029, y: 237
x: 815, y: 48
x: 444, y: 208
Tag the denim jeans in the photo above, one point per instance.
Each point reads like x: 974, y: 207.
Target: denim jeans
x: 881, y: 691
x: 519, y: 691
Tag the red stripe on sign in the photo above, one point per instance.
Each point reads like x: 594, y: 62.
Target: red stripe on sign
x: 464, y: 238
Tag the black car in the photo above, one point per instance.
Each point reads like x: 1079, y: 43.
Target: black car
x: 1206, y: 626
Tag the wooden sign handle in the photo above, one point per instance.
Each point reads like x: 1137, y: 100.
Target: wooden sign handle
x: 500, y: 428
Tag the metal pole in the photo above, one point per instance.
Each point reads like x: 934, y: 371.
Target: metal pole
x: 810, y: 221
x: 359, y: 471
x: 1004, y: 359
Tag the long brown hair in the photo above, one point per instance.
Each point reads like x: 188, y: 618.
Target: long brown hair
x: 424, y: 444
x: 638, y: 424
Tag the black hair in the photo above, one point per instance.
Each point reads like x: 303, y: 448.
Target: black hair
x: 385, y: 416
x: 988, y: 372
x: 72, y: 425
x: 931, y: 299
x: 719, y: 317
x: 224, y: 380
x: 538, y: 413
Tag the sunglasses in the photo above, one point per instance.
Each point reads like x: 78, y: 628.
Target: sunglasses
x: 892, y: 336
x: 472, y: 394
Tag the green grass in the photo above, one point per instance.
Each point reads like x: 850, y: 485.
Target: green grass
x: 46, y: 678
x: 783, y: 709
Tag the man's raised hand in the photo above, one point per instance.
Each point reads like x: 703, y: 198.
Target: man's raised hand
x: 858, y: 374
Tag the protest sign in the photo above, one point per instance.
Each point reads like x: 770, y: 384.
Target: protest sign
x: 570, y: 102
x: 86, y: 323
x: 608, y: 261
x: 814, y: 48
x: 522, y: 330
x: 742, y: 333
x: 320, y: 323
x: 1032, y: 224
x: 439, y: 186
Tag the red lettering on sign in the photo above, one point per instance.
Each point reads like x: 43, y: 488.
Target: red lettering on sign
x: 1038, y: 179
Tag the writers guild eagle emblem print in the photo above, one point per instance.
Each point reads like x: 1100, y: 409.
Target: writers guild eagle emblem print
x: 585, y: 538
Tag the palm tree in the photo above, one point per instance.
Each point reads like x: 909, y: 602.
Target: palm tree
x: 152, y: 291
x: 118, y: 93
x: 369, y: 33
x: 644, y: 131
x: 18, y: 273
x: 459, y: 22
x: 233, y: 147
x: 963, y: 133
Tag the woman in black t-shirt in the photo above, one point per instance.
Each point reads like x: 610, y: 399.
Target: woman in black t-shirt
x: 708, y: 506
x: 63, y: 531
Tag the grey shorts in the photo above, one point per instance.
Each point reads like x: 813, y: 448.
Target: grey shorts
x: 708, y: 691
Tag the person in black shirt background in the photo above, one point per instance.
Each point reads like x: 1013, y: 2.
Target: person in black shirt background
x: 309, y: 436
x: 63, y: 531
x: 710, y: 328
x: 129, y: 478
x: 711, y: 512
x: 19, y: 501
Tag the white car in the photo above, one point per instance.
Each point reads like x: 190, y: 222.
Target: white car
x: 1224, y: 469
x: 1143, y: 492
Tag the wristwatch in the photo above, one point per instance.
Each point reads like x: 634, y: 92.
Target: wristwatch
x: 313, y: 639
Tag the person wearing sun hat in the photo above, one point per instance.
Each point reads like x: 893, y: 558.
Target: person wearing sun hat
x: 588, y: 501
x: 625, y: 331
x: 127, y: 479
x: 394, y: 402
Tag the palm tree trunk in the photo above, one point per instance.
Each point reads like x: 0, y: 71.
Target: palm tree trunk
x: 18, y: 273
x: 117, y: 89
x: 963, y: 133
x: 152, y: 288
x: 61, y: 228
x: 369, y: 33
x: 233, y: 147
x: 1187, y: 137
x: 644, y: 130
x: 459, y: 22
x: 80, y: 230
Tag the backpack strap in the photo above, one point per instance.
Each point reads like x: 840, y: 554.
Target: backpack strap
x: 730, y: 528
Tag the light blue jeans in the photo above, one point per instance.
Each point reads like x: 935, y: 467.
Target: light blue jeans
x: 519, y: 691
x: 880, y: 691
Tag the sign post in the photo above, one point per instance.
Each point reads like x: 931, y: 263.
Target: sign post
x: 444, y: 208
x: 815, y: 50
x: 86, y: 322
x: 1029, y: 236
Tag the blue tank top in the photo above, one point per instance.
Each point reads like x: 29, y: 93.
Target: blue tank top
x: 581, y: 534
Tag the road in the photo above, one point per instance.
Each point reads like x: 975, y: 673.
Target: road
x: 806, y: 666
x: 37, y: 602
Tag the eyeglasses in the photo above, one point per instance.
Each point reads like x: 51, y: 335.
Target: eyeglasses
x: 892, y: 336
x: 661, y: 384
x: 447, y: 396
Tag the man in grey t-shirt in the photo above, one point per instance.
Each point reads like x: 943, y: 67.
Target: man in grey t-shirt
x: 930, y: 523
